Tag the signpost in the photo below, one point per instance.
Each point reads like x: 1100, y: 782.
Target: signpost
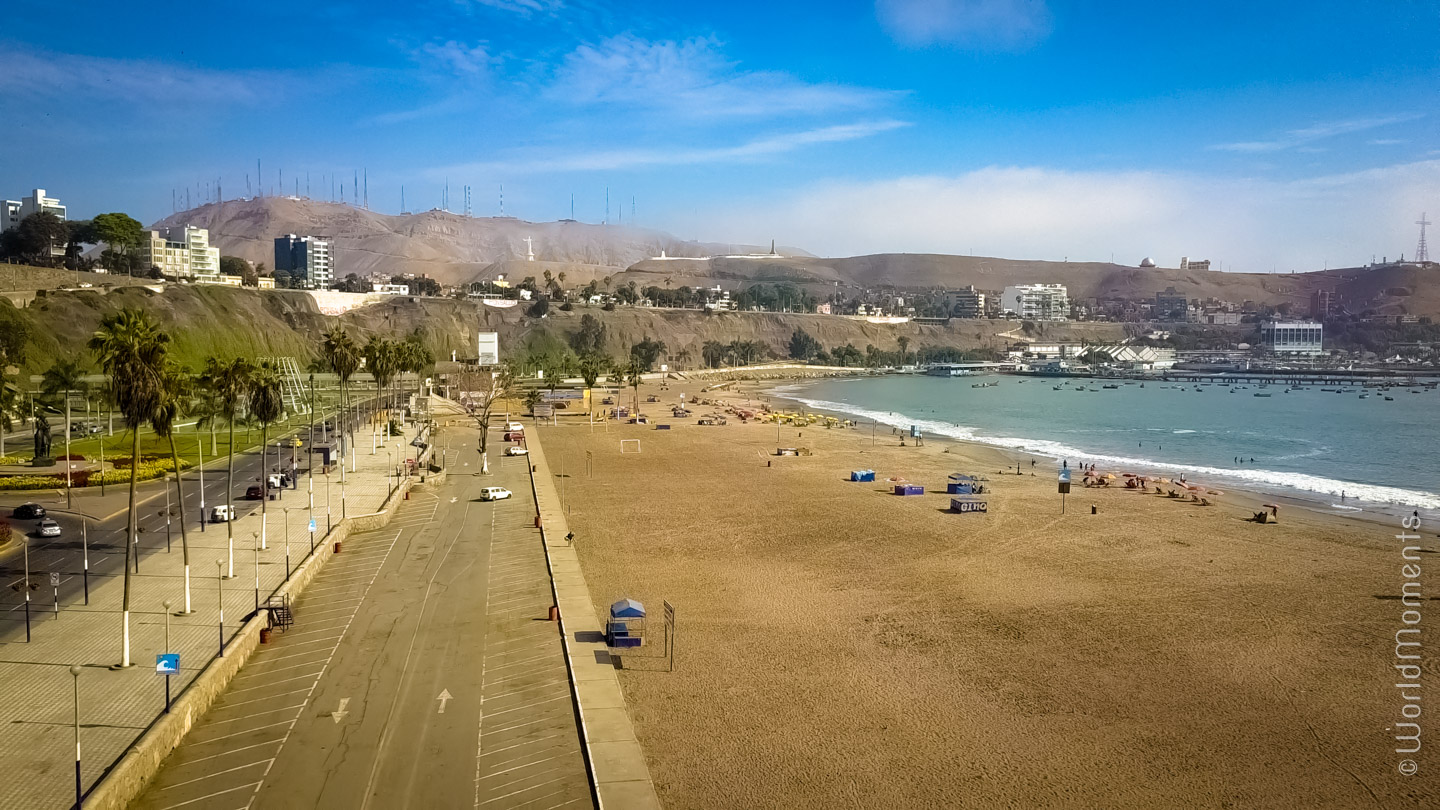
x: 670, y: 634
x: 55, y: 584
x: 167, y: 664
x: 1064, y: 487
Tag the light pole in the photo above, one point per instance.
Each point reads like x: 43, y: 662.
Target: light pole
x: 167, y: 604
x: 327, y: 506
x: 26, y: 586
x: 256, y: 535
x: 79, y: 793
x: 167, y: 510
x: 85, y: 554
x: 220, y: 578
x: 200, y: 450
x: 286, y: 511
x: 389, y: 468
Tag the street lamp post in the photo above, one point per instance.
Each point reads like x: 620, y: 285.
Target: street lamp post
x: 85, y: 554
x: 256, y: 535
x: 26, y: 586
x: 167, y: 511
x: 220, y: 577
x: 79, y: 793
x: 167, y: 604
x: 327, y: 507
x: 200, y: 449
x: 286, y: 513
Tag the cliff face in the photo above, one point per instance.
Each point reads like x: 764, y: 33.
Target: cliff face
x: 225, y: 322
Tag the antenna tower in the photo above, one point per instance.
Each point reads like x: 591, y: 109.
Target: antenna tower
x: 259, y: 180
x: 607, y: 206
x: 467, y: 201
x: 502, y: 200
x: 367, y: 189
x: 402, y: 200
x: 1422, y: 251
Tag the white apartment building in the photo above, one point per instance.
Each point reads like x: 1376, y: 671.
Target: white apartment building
x: 181, y: 252
x: 15, y: 210
x: 1299, y: 337
x: 1037, y: 302
x: 308, y: 257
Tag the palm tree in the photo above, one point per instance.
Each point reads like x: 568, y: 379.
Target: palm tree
x: 176, y: 391
x: 381, y: 362
x: 229, y: 380
x: 131, y: 350
x: 267, y: 403
x: 343, y: 357
x: 634, y: 370
x: 64, y: 377
x: 9, y: 408
x: 713, y: 353
x: 593, y: 367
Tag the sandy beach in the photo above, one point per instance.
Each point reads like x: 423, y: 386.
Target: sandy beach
x: 840, y: 646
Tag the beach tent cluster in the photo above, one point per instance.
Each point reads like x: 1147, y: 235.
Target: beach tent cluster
x: 801, y: 419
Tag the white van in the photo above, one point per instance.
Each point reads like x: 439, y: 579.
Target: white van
x: 220, y: 514
x: 494, y: 494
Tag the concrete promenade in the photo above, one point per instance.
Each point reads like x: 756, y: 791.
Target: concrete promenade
x: 116, y: 706
x: 421, y: 672
x: 616, y: 760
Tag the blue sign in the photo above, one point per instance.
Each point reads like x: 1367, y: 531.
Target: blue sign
x: 1064, y: 475
x: 167, y: 664
x: 312, y: 525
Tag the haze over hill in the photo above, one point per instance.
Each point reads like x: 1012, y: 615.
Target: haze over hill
x: 455, y: 249
x: 451, y: 248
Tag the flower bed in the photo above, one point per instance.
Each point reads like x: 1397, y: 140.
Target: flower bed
x: 150, y: 468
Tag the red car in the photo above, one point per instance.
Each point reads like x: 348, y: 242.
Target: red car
x: 515, y: 437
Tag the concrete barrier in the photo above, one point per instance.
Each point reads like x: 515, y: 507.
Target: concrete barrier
x: 128, y: 778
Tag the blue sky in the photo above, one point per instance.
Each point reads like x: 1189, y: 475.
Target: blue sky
x: 1266, y: 136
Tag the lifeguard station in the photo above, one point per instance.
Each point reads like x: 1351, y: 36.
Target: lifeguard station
x: 626, y: 627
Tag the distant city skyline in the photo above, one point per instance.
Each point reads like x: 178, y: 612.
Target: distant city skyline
x: 1263, y: 136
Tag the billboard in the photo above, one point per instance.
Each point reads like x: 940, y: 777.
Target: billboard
x: 488, y: 348
x: 563, y: 395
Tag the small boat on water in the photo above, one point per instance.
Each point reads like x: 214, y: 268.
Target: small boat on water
x: 1389, y: 399
x: 1258, y: 394
x: 1058, y: 387
x: 1364, y: 396
x: 1112, y: 388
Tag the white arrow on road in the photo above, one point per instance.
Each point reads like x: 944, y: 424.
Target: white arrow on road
x: 444, y: 697
x: 337, y: 716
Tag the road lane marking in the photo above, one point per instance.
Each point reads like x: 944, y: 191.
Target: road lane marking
x: 210, y: 796
x: 217, y: 773
x: 339, y: 715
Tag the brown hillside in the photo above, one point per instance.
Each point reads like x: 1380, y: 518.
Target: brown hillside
x: 450, y: 247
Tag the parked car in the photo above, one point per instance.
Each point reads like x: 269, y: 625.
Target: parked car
x: 514, y: 437
x: 494, y: 494
x: 220, y: 514
x: 254, y: 493
x: 515, y: 426
x: 516, y: 450
x: 49, y: 528
x: 28, y: 511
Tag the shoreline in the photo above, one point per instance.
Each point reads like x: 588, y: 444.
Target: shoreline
x: 1372, y: 513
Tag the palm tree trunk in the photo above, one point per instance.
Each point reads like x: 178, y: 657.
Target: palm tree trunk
x: 180, y: 498
x: 230, y: 505
x: 129, y: 549
x: 69, y: 503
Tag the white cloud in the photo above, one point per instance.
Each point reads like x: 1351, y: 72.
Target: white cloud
x: 524, y: 8
x: 750, y: 151
x: 1387, y: 141
x: 94, y: 79
x: 691, y: 78
x: 1296, y: 138
x: 472, y: 61
x: 1038, y: 213
x: 980, y: 24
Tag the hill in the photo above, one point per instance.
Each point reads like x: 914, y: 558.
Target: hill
x: 452, y: 248
x: 457, y: 249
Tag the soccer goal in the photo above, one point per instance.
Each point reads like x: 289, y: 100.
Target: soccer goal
x: 629, y: 445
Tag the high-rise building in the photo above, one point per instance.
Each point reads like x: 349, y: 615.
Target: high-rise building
x: 1322, y: 302
x: 15, y: 210
x: 1037, y: 302
x: 1171, y: 304
x: 488, y: 344
x: 181, y: 252
x: 308, y: 257
x: 967, y: 303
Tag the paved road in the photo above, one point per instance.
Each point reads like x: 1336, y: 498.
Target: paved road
x: 105, y: 535
x: 421, y: 672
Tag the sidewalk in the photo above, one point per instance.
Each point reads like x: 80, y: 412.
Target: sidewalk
x: 117, y: 706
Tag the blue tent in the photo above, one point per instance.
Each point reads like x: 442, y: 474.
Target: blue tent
x: 627, y: 609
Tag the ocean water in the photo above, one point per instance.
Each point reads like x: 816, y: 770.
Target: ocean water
x: 1384, y: 456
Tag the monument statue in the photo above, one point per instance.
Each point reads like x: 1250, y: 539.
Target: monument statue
x: 42, y: 436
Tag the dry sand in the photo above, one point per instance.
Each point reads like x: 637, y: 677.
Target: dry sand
x: 839, y: 646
